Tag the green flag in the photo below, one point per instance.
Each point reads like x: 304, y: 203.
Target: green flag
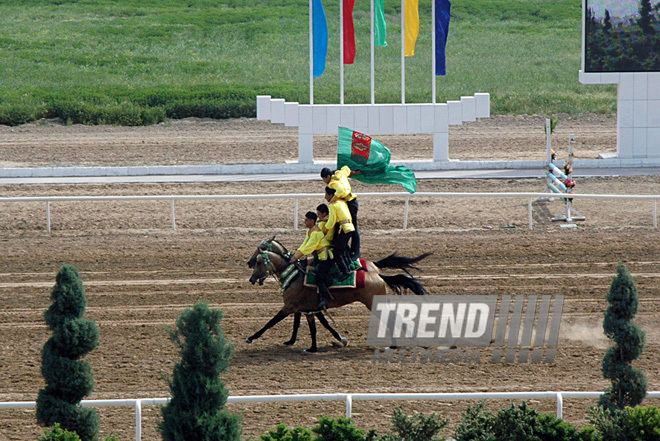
x: 361, y: 152
x: 380, y: 25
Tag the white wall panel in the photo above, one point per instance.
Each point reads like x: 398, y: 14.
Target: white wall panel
x: 455, y: 113
x: 468, y: 104
x: 305, y: 118
x: 277, y: 111
x: 347, y: 117
x: 640, y: 86
x: 374, y: 120
x: 441, y: 113
x: 333, y: 116
x: 263, y: 107
x: 291, y: 114
x: 482, y: 105
x: 320, y: 119
x: 426, y: 118
x: 399, y: 120
x: 414, y: 116
x: 386, y: 117
x: 639, y: 143
x: 640, y: 113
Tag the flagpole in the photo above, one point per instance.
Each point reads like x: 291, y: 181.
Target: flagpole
x: 403, y: 51
x: 433, y: 50
x: 341, y: 51
x: 373, y: 96
x: 311, y: 55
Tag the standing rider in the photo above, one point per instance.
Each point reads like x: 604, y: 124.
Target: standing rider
x: 339, y: 215
x: 338, y: 180
x: 316, y: 243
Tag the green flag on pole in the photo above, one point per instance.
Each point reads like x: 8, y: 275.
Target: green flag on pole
x: 361, y: 152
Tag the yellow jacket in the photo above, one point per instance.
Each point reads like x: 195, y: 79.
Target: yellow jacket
x: 314, y: 241
x: 339, y: 182
x: 339, y: 214
x: 329, y: 232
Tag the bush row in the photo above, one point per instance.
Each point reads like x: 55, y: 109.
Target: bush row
x: 517, y: 423
x: 144, y: 107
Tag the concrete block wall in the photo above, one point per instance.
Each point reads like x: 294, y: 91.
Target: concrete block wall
x: 638, y: 111
x: 373, y: 119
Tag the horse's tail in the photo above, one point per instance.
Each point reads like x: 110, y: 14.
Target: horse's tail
x: 401, y: 262
x: 400, y: 282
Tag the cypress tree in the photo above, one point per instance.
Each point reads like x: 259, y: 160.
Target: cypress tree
x: 68, y: 378
x: 628, y: 384
x: 196, y: 410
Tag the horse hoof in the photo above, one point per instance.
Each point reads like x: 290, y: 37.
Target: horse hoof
x: 344, y: 341
x: 289, y: 342
x: 248, y: 340
x: 310, y: 350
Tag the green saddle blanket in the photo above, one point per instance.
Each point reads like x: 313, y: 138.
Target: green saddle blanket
x: 349, y: 282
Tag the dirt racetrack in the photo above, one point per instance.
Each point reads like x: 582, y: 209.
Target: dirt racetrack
x: 140, y: 275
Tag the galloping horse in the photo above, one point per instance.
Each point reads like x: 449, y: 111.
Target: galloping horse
x: 277, y: 247
x: 268, y: 260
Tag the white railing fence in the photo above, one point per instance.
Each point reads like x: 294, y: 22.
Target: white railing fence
x: 347, y: 398
x: 298, y: 196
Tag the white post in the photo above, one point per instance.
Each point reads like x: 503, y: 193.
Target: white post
x: 138, y: 420
x: 173, y: 217
x: 405, y: 213
x: 560, y: 405
x: 548, y: 140
x: 403, y: 53
x: 529, y: 212
x: 433, y: 51
x: 311, y: 54
x: 349, y: 405
x: 341, y: 51
x: 373, y: 94
x: 655, y: 214
x: 48, y: 216
x: 295, y: 215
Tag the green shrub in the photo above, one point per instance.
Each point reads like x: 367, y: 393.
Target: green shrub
x: 282, y: 433
x: 644, y: 423
x: 512, y: 423
x: 337, y: 429
x: 59, y: 434
x: 196, y: 410
x: 477, y: 424
x: 551, y: 428
x: 14, y: 115
x: 417, y: 427
x: 608, y: 425
x: 68, y: 378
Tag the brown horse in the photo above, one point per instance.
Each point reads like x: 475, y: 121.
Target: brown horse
x: 300, y: 299
x: 277, y: 247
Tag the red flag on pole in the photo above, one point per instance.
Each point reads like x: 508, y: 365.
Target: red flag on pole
x: 349, y: 32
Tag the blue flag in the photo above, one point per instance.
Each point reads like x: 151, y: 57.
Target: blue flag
x: 442, y: 8
x: 320, y: 37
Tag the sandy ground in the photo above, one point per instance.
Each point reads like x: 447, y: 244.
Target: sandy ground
x: 139, y: 274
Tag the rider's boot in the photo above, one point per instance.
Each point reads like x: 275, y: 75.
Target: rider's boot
x: 324, y: 297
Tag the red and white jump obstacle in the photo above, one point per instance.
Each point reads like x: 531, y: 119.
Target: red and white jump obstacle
x: 561, y: 182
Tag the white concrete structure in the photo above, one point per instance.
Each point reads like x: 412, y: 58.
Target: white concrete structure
x: 638, y: 111
x: 373, y: 119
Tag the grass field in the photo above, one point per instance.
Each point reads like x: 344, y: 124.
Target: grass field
x: 132, y: 62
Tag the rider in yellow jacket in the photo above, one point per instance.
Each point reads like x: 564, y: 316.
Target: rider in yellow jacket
x: 316, y: 243
x: 340, y: 216
x: 338, y: 181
